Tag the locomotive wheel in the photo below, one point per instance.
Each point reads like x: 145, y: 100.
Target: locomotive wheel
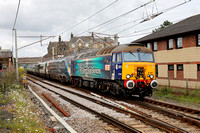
x: 104, y: 88
x: 115, y: 89
x: 80, y: 83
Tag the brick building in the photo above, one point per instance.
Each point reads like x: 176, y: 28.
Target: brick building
x: 5, y: 59
x: 177, y: 53
x: 76, y: 44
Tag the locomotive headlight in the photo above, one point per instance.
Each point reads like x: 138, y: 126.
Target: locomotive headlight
x: 128, y: 76
x: 151, y: 76
x: 130, y: 84
x: 154, y: 84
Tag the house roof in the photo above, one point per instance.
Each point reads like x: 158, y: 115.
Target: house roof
x: 86, y: 39
x: 89, y: 39
x: 5, y: 53
x: 187, y: 25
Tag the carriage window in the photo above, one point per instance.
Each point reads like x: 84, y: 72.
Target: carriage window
x: 119, y: 57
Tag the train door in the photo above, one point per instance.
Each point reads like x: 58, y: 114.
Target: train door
x: 116, y: 66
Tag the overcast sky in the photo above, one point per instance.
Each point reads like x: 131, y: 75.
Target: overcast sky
x: 53, y: 17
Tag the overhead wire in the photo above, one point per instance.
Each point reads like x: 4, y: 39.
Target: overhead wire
x: 154, y: 15
x: 153, y: 27
x: 34, y: 43
x: 89, y: 17
x: 116, y: 18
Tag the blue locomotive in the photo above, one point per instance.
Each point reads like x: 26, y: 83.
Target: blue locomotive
x: 126, y: 70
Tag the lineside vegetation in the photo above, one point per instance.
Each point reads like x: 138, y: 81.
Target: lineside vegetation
x: 17, y: 112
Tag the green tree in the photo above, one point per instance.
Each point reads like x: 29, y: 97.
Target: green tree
x: 164, y: 25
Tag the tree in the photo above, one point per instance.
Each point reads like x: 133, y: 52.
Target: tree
x: 164, y: 25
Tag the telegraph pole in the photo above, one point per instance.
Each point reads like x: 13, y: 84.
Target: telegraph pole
x: 16, y: 54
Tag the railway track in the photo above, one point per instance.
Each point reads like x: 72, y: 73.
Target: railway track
x: 173, y: 106
x: 145, y: 117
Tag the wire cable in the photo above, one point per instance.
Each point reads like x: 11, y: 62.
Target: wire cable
x: 155, y: 15
x: 116, y: 18
x: 16, y: 14
x: 89, y: 17
x: 33, y: 43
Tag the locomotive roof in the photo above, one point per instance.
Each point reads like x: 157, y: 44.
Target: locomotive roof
x: 133, y: 47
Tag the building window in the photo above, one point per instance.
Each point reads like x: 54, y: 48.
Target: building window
x: 179, y: 42
x: 156, y: 70
x: 179, y: 67
x: 64, y: 50
x: 198, y: 40
x: 95, y: 46
x: 119, y: 57
x: 171, y: 67
x: 149, y: 45
x: 73, y: 45
x: 155, y: 46
x: 79, y: 44
x: 198, y: 67
x: 60, y: 49
x: 86, y: 45
x: 170, y: 44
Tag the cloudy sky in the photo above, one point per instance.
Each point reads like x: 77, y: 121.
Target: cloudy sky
x: 55, y: 17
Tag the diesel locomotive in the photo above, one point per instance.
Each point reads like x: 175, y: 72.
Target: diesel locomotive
x: 126, y: 70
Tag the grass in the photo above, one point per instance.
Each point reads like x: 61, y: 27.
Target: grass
x: 19, y: 113
x: 180, y: 95
x: 26, y: 118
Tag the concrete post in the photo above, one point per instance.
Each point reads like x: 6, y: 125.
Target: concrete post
x: 16, y: 54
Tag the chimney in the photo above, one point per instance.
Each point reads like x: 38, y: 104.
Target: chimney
x: 72, y: 35
x: 59, y: 39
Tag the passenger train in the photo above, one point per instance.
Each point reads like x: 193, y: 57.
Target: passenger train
x: 126, y: 70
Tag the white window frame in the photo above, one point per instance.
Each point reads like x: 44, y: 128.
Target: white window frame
x: 149, y: 45
x: 73, y: 45
x: 170, y: 43
x: 179, y: 42
x: 155, y: 46
x: 198, y: 39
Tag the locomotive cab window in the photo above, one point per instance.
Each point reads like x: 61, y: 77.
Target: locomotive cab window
x: 147, y: 57
x: 119, y: 57
x: 128, y: 57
